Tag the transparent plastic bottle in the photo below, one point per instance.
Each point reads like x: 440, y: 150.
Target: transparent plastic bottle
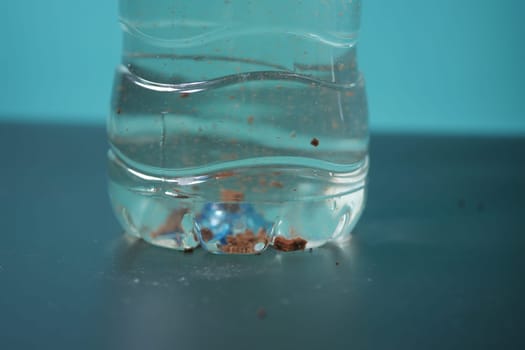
x: 238, y: 125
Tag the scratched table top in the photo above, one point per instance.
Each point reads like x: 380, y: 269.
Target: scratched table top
x: 436, y: 262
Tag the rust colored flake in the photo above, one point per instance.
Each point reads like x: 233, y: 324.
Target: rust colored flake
x: 224, y: 174
x: 231, y: 195
x: 289, y: 245
x: 184, y: 95
x: 314, y: 142
x: 206, y: 234
x: 250, y: 119
x: 261, y: 313
x: 245, y: 242
x: 276, y: 184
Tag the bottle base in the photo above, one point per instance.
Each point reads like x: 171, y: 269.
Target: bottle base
x: 236, y: 222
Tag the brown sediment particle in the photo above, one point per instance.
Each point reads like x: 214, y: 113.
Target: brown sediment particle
x: 184, y: 95
x: 314, y: 142
x: 349, y: 93
x: 250, y: 119
x: 119, y: 110
x: 206, y: 234
x: 173, y: 223
x: 261, y: 313
x: 188, y: 250
x: 245, y: 242
x: 231, y: 195
x: 276, y: 184
x: 289, y: 245
x: 223, y: 174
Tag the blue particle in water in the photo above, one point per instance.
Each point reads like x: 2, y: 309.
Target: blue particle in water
x: 225, y: 219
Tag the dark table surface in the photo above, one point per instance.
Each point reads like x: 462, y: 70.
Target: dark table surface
x: 436, y: 261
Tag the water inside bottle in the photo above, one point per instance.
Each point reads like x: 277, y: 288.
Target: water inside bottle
x: 219, y: 148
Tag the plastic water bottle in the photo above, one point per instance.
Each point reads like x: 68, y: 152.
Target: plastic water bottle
x: 238, y: 125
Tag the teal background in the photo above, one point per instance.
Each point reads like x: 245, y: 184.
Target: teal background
x: 447, y: 66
